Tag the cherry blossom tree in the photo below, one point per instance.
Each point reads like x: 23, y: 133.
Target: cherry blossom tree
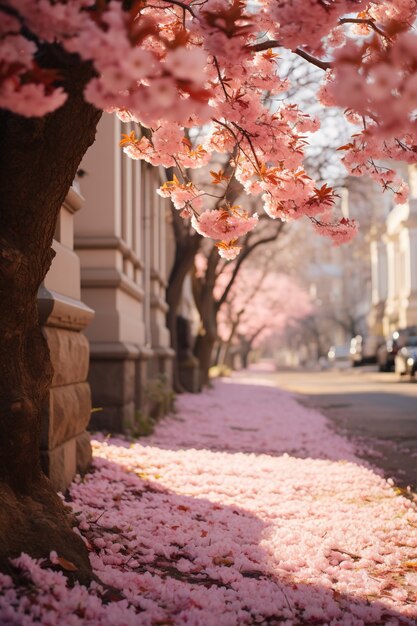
x: 172, y: 65
x: 188, y: 244
x: 213, y: 281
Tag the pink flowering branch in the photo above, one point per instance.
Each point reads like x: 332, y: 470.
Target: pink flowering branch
x: 273, y: 43
x: 216, y: 63
x: 183, y: 5
x: 366, y: 22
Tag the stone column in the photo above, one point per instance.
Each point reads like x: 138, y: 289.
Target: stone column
x: 108, y: 243
x: 65, y: 443
x: 391, y: 312
x: 379, y: 281
x: 160, y: 338
x: 410, y: 261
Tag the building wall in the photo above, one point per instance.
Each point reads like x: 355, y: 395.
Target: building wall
x: 394, y: 254
x: 65, y: 443
x: 120, y: 240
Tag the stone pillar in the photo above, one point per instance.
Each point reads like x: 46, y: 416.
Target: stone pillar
x: 109, y: 244
x: 121, y: 247
x: 391, y: 312
x: 160, y: 339
x: 410, y: 262
x: 401, y: 238
x: 65, y: 443
x: 379, y: 278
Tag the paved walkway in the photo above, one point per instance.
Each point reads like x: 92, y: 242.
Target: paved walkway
x: 243, y: 508
x: 365, y: 404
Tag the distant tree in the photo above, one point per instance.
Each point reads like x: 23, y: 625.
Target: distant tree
x: 213, y: 280
x: 261, y: 303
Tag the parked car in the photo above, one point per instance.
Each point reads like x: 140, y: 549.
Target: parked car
x: 387, y: 352
x: 385, y: 356
x: 364, y: 350
x: 406, y: 358
x: 338, y: 353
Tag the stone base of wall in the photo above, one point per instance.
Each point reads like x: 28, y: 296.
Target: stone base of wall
x: 164, y: 358
x: 160, y: 379
x: 113, y: 386
x: 65, y: 444
x: 125, y: 380
x: 189, y: 374
x: 144, y: 367
x: 409, y: 317
x: 66, y: 460
x: 376, y: 318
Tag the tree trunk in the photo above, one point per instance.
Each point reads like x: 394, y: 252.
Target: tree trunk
x: 207, y: 307
x: 203, y: 351
x: 244, y: 352
x: 185, y: 252
x: 38, y: 163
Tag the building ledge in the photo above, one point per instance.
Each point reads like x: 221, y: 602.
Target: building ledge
x: 108, y: 243
x: 73, y: 201
x: 110, y: 278
x: 61, y: 311
x: 159, y: 303
x: 114, y: 350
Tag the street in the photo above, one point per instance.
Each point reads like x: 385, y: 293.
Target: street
x: 361, y: 402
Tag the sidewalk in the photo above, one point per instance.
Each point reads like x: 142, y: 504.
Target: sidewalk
x: 242, y: 508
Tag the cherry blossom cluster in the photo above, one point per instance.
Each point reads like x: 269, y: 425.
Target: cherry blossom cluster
x: 24, y: 88
x: 225, y: 225
x: 171, y: 67
x: 374, y: 77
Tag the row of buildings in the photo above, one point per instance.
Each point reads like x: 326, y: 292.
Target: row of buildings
x: 367, y: 287
x: 394, y: 266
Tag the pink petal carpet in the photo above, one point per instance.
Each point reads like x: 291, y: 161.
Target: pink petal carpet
x: 242, y: 508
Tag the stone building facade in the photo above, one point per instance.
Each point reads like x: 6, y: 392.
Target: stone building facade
x: 121, y: 242
x: 65, y: 443
x: 102, y: 306
x: 394, y: 266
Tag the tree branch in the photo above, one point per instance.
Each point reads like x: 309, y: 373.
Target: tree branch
x: 241, y: 258
x: 323, y: 65
x: 366, y: 22
x: 273, y: 43
x: 255, y: 334
x: 216, y: 63
x: 178, y: 3
x: 180, y: 227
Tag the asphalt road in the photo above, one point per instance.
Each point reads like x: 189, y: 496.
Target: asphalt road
x: 378, y: 408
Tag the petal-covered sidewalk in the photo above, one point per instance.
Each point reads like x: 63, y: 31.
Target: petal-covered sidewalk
x: 242, y: 508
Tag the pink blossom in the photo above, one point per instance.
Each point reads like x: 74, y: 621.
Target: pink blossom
x: 187, y: 64
x: 339, y: 232
x: 228, y: 251
x: 176, y: 69
x: 225, y: 224
x: 31, y: 99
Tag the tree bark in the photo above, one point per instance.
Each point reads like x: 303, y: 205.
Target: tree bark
x: 203, y: 351
x: 245, y: 351
x: 207, y: 305
x: 186, y: 247
x: 38, y: 163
